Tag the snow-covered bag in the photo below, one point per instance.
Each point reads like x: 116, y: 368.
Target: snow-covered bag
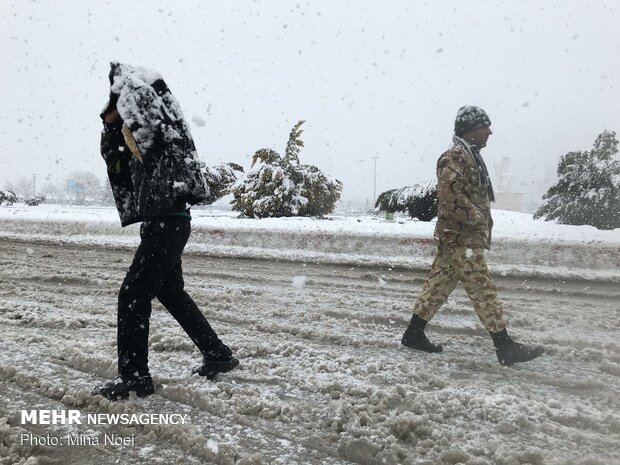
x: 166, y: 177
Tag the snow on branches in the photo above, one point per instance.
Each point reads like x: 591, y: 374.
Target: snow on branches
x: 418, y: 201
x: 281, y: 186
x: 588, y: 188
x: 220, y: 179
x: 7, y: 196
x: 34, y: 200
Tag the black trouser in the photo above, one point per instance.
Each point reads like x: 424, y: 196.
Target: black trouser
x: 156, y: 272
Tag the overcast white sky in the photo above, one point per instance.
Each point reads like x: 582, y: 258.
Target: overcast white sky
x: 372, y: 79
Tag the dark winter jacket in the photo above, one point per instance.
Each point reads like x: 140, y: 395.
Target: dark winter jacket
x: 168, y: 178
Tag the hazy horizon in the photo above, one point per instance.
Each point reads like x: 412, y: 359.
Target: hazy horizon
x: 370, y: 81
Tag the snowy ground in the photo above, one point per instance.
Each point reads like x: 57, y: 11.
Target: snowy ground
x: 521, y: 246
x: 323, y: 378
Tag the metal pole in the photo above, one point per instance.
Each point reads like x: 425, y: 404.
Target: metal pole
x: 374, y: 189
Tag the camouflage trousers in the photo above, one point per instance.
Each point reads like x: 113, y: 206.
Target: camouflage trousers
x: 469, y: 267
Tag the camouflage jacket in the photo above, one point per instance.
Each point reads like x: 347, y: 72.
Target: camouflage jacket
x: 464, y: 216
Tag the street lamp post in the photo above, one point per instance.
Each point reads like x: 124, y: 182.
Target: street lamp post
x: 374, y: 188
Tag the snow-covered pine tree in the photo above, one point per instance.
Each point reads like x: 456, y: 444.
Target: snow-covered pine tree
x: 588, y: 188
x: 220, y: 179
x: 281, y: 186
x: 294, y: 144
x: 7, y: 196
x: 418, y: 201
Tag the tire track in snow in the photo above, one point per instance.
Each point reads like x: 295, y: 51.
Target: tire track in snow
x: 328, y: 356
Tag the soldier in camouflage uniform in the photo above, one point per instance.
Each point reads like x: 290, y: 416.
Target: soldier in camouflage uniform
x: 462, y: 233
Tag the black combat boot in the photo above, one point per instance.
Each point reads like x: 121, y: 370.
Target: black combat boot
x: 218, y: 359
x: 415, y: 338
x: 121, y: 386
x: 510, y: 352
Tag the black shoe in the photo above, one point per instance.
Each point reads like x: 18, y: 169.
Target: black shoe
x: 216, y: 360
x: 415, y: 338
x: 120, y: 388
x: 510, y: 352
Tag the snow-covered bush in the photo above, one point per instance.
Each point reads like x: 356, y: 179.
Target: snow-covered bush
x: 418, y: 201
x: 8, y: 197
x: 220, y: 179
x: 281, y: 186
x: 588, y: 189
x: 34, y: 200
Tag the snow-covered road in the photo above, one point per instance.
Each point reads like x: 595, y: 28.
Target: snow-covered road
x: 323, y: 377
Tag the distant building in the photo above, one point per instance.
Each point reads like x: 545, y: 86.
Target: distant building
x: 512, y: 201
